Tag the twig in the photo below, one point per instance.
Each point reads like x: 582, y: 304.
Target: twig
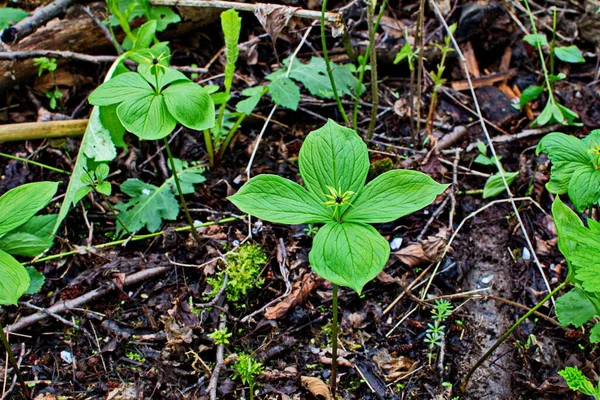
x: 59, y: 318
x: 102, y: 27
x: 373, y: 56
x: 434, y: 216
x: 492, y: 149
x: 39, y: 17
x: 63, y: 306
x: 214, y: 378
x: 409, y: 287
x: 42, y: 130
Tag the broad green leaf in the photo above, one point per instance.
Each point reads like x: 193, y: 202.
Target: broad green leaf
x: 36, y: 280
x: 570, y: 54
x: 495, y: 185
x: 99, y: 146
x: 333, y: 156
x: 348, y: 254
x: 9, y: 15
x: 574, y: 308
x: 595, y: 333
x: 254, y: 94
x: 119, y: 89
x: 536, y: 39
x: 276, y: 199
x: 163, y: 17
x: 104, y: 188
x: 145, y: 35
x: 165, y: 75
x: 18, y: 205
x: 482, y: 148
x: 14, y: 279
x: 147, y: 117
x: 31, y: 238
x: 231, y: 24
x: 584, y: 187
x: 392, y: 195
x: 188, y: 177
x: 189, y: 104
x: 285, y: 93
x: 530, y: 93
x: 102, y: 171
x: 110, y: 121
x: 81, y: 193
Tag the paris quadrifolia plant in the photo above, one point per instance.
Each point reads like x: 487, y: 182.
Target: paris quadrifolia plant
x: 347, y: 251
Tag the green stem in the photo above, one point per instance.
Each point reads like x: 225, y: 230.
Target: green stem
x: 134, y: 238
x: 13, y: 362
x: 181, y: 197
x: 210, y: 150
x: 62, y: 171
x: 229, y: 137
x: 488, y: 353
x: 334, y: 340
x: 328, y: 65
x: 115, y: 214
x: 374, y: 84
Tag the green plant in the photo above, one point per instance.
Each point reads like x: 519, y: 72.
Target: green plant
x: 579, y: 383
x: 575, y: 167
x: 334, y: 163
x: 10, y: 15
x: 242, y: 268
x: 435, y: 332
x: 494, y: 185
x: 220, y: 336
x: 247, y: 369
x: 553, y: 112
x: 49, y: 64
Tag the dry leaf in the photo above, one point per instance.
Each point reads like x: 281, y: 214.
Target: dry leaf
x: 392, y: 27
x: 434, y: 246
x: 300, y: 291
x: 386, y: 278
x: 274, y: 17
x: 45, y: 396
x: 317, y: 387
x: 125, y: 391
x: 393, y: 366
x: 412, y: 255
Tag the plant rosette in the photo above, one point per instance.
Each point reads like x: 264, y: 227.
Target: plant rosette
x: 334, y: 163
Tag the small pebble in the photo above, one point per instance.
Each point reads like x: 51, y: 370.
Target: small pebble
x: 66, y: 356
x: 526, y: 254
x: 396, y: 243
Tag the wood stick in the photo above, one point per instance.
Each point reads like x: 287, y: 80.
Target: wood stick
x: 487, y: 80
x: 42, y: 130
x: 40, y: 16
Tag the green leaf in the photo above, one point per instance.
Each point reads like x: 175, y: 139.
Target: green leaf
x: 482, y: 148
x: 189, y: 104
x: 9, y: 15
x: 99, y: 146
x: 348, y: 254
x: 333, y: 156
x: 166, y: 76
x: 110, y: 121
x: 102, y: 171
x: 231, y: 24
x: 18, y: 205
x: 163, y: 16
x: 145, y: 35
x: 530, y: 93
x: 570, y: 54
x: 584, y: 187
x: 276, y: 199
x: 119, y: 89
x: 31, y: 238
x: 188, y: 177
x: 536, y: 39
x: 495, y: 185
x: 104, y: 188
x: 392, y: 195
x: 254, y: 94
x: 14, y: 279
x: 147, y: 117
x: 576, y: 381
x: 285, y: 93
x: 81, y: 193
x: 574, y: 308
x: 595, y: 333
x: 36, y: 280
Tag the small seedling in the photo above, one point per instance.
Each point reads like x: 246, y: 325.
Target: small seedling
x: 220, y: 336
x: 435, y: 332
x: 49, y: 64
x: 579, y: 383
x: 334, y: 163
x: 247, y: 369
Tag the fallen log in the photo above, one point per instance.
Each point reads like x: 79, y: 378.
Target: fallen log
x: 42, y: 130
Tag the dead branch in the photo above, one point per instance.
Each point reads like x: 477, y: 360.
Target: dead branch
x: 40, y: 16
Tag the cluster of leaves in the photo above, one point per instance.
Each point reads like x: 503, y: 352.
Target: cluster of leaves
x: 334, y: 163
x: 575, y: 167
x: 576, y: 381
x: 49, y: 64
x: 247, y: 369
x: 220, y: 336
x: 494, y: 184
x: 242, y: 268
x: 23, y: 233
x: 581, y: 248
x: 434, y: 334
x: 445, y: 49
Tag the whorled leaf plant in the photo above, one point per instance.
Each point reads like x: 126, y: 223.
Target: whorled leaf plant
x: 334, y: 163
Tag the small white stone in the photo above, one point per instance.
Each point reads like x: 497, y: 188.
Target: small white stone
x: 235, y: 243
x: 396, y: 243
x: 66, y: 356
x: 526, y: 255
x: 487, y: 279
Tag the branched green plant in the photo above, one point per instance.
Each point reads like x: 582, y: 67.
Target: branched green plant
x: 434, y: 335
x: 579, y: 383
x: 49, y: 64
x: 347, y: 251
x: 220, y: 336
x: 247, y: 369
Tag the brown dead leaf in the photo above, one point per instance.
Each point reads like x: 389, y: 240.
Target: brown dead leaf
x: 125, y: 391
x: 412, y: 255
x: 300, y: 291
x: 393, y: 366
x: 393, y: 27
x: 45, y: 396
x: 434, y: 246
x: 274, y: 17
x: 317, y: 387
x: 386, y: 278
x: 545, y: 246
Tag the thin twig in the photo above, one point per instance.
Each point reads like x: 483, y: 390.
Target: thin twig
x: 214, y: 379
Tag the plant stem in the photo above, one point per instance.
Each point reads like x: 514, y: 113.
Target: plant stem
x: 334, y: 340
x: 328, y: 65
x: 210, y: 151
x: 181, y: 197
x: 62, y: 171
x: 463, y: 386
x: 13, y: 361
x: 420, y: 45
x: 115, y: 214
x: 553, y: 43
x: 374, y: 84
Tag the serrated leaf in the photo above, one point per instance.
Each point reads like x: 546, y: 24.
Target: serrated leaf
x: 36, y: 280
x: 231, y: 24
x: 14, y: 279
x: 348, y: 254
x: 147, y: 117
x: 19, y: 205
x: 190, y: 105
x: 285, y: 93
x: 31, y: 238
x: 570, y: 54
x: 495, y: 185
x: 536, y: 39
x: 333, y: 156
x: 279, y: 200
x: 576, y: 381
x: 574, y: 308
x: 392, y: 195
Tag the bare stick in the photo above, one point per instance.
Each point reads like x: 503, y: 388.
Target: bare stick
x: 39, y: 17
x: 493, y: 150
x: 214, y: 378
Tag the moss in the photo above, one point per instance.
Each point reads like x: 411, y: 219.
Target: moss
x: 379, y: 167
